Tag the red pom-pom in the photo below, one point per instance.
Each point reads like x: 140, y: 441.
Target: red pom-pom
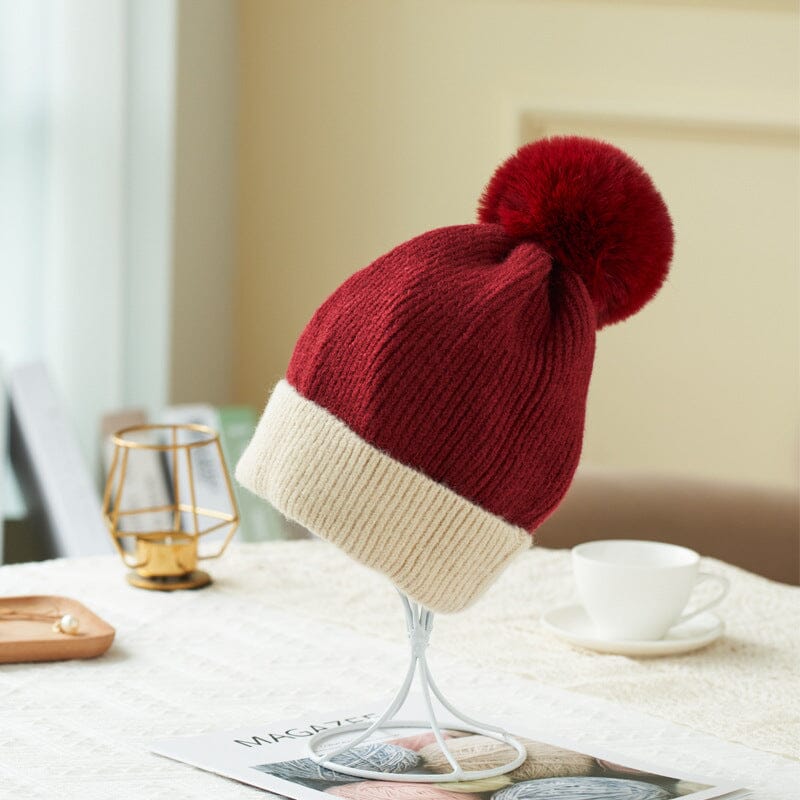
x: 594, y: 210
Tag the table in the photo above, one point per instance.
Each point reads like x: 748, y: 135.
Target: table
x: 290, y: 626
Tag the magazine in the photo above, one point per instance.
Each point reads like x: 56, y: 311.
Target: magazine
x: 275, y: 757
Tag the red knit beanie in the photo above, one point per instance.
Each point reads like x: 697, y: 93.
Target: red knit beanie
x: 432, y: 413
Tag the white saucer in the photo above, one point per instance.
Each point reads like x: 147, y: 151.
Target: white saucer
x: 572, y: 624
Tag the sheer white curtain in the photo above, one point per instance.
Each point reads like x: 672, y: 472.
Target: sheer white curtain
x: 86, y: 173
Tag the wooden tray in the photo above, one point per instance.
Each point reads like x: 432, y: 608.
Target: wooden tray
x: 34, y: 640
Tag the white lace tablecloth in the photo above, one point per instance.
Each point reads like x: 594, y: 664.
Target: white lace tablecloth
x: 293, y: 626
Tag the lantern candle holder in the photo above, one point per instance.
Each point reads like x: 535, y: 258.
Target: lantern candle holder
x: 168, y: 488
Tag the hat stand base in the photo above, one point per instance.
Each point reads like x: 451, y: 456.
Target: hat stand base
x: 419, y: 623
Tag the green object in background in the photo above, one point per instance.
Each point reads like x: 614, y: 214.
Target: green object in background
x: 259, y: 520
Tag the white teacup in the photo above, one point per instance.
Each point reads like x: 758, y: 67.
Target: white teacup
x: 638, y: 590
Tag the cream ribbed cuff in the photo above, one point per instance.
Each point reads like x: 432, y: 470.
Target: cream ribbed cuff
x: 439, y: 548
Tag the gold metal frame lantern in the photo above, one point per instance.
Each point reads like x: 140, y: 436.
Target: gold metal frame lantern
x: 166, y: 558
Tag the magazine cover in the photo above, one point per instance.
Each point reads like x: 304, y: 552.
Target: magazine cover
x: 275, y: 757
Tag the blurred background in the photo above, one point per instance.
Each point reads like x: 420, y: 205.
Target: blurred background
x: 182, y: 182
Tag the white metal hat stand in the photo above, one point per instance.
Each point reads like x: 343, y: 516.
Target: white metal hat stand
x: 419, y: 623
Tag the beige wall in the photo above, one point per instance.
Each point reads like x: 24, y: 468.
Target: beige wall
x: 204, y: 202
x: 364, y: 123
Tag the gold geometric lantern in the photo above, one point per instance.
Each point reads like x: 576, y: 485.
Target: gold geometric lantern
x: 169, y: 503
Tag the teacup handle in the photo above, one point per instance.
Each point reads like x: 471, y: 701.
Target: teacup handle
x: 725, y: 585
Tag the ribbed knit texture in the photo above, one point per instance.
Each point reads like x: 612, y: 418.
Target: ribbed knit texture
x: 436, y: 546
x: 466, y: 355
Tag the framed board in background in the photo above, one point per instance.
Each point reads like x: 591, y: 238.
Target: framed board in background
x: 62, y: 500
x: 4, y: 466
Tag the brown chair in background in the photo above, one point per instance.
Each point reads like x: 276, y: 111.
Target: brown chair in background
x: 752, y: 527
